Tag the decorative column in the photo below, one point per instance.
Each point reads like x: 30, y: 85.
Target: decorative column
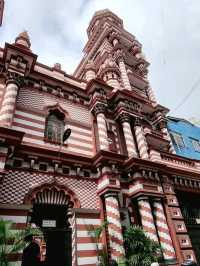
x: 130, y: 143
x: 90, y: 71
x: 9, y: 100
x: 163, y: 231
x: 99, y: 111
x: 151, y: 95
x: 147, y: 218
x: 154, y: 155
x: 165, y: 131
x: 122, y: 68
x: 163, y: 127
x: 114, y: 226
x: 141, y: 141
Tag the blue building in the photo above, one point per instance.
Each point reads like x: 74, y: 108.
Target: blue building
x: 185, y: 137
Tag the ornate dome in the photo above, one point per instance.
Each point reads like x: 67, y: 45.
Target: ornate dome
x: 23, y: 39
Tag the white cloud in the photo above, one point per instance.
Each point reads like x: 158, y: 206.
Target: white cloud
x: 168, y: 30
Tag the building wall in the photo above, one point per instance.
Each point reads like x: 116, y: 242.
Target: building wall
x: 1, y: 11
x: 188, y: 131
x: 30, y: 116
x: 114, y: 107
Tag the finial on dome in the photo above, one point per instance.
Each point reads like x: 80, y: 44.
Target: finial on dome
x: 23, y: 39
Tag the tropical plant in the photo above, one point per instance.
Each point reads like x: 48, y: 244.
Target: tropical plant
x: 12, y: 241
x: 140, y: 249
x: 101, y: 253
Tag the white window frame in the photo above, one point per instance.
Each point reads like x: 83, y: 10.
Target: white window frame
x: 195, y: 144
x: 175, y: 135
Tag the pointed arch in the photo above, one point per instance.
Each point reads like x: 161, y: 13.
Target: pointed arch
x: 57, y: 108
x: 52, y: 193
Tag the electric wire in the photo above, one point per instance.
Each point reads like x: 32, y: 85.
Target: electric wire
x: 187, y: 96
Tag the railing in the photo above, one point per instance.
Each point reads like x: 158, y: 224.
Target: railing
x: 180, y: 161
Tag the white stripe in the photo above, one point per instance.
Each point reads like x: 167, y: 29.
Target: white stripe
x: 117, y: 247
x: 88, y: 221
x: 148, y: 224
x: 152, y: 236
x: 6, y: 116
x: 113, y: 210
x: 113, y: 232
x: 29, y: 131
x: 103, y: 183
x: 88, y: 246
x: 85, y: 233
x: 135, y: 187
x: 41, y: 134
x: 28, y: 123
x: 36, y: 117
x: 113, y: 221
x: 2, y: 164
x: 87, y: 131
x: 160, y: 215
x: 167, y: 247
x: 164, y: 235
x: 79, y: 136
x: 87, y: 260
x: 63, y: 149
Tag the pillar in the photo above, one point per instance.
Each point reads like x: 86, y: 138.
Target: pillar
x: 9, y: 100
x: 99, y: 110
x: 130, y: 143
x: 163, y: 231
x: 114, y: 226
x: 141, y: 141
x: 165, y: 131
x: 147, y: 218
x: 112, y: 80
x: 154, y: 155
x: 90, y: 71
x: 163, y: 127
x: 151, y: 95
x: 122, y: 68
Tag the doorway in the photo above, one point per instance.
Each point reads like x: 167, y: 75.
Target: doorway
x: 53, y: 221
x: 190, y: 208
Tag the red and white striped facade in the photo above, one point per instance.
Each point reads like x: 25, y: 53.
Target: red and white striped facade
x: 118, y: 157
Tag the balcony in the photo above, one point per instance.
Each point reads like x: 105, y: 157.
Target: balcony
x: 156, y: 140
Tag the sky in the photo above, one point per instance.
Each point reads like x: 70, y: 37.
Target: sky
x: 167, y: 29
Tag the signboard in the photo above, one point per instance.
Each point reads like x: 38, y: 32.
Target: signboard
x: 48, y: 223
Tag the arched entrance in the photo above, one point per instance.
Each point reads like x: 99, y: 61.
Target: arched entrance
x: 52, y: 210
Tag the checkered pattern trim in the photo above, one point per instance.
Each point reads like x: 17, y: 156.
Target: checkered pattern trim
x: 16, y: 185
x: 34, y: 100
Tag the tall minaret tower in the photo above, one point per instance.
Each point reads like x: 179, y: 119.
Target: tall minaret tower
x: 1, y: 11
x: 116, y: 56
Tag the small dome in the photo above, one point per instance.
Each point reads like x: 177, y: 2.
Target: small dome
x: 109, y: 64
x: 57, y: 66
x: 23, y: 39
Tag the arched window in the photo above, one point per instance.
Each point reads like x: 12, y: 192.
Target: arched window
x: 55, y: 126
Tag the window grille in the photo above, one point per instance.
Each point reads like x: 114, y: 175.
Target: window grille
x: 54, y: 128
